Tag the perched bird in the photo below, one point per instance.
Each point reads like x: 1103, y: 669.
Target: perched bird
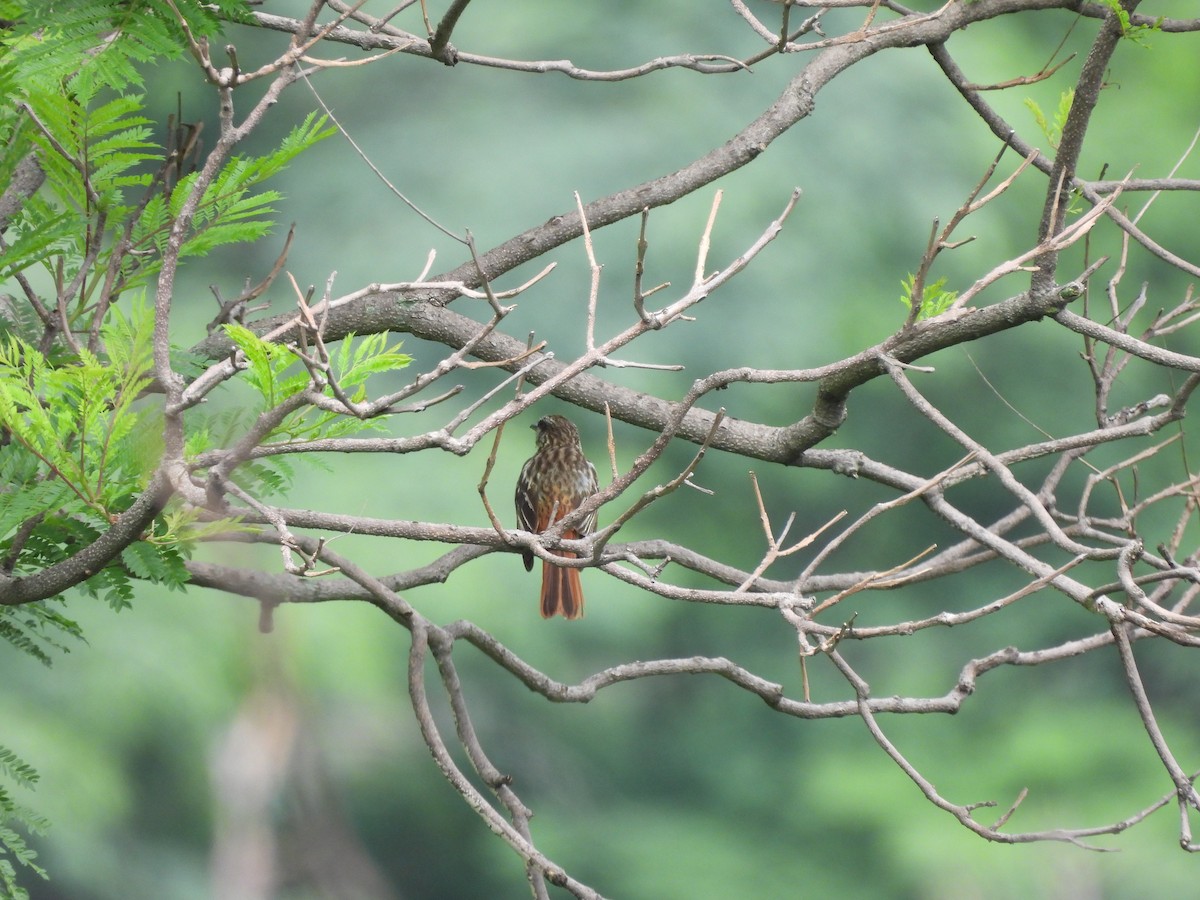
x: 553, y: 482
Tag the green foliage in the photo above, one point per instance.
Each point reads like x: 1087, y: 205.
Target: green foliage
x: 935, y: 299
x: 229, y: 212
x: 36, y: 628
x: 81, y: 443
x: 74, y: 426
x: 268, y: 366
x: 80, y: 435
x: 1052, y: 130
x: 161, y: 563
x: 55, y: 45
x: 91, y: 156
x: 107, y: 141
x: 1135, y: 33
x: 82, y: 446
x: 276, y: 372
x: 12, y: 844
x: 100, y: 225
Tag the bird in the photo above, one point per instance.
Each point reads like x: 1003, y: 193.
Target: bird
x: 553, y: 482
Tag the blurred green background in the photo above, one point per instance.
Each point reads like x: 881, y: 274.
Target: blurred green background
x: 667, y: 788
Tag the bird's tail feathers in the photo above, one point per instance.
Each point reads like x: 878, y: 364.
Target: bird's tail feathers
x: 562, y: 592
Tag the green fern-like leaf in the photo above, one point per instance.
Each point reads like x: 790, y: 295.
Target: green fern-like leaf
x: 47, y: 625
x: 935, y: 300
x: 1052, y: 130
x: 112, y: 586
x: 357, y: 360
x: 268, y: 366
x: 184, y: 527
x: 144, y: 562
x: 78, y: 421
x: 23, y: 641
x: 12, y: 845
x: 88, y: 45
x: 81, y: 445
x: 1136, y: 34
x: 16, y: 769
x: 233, y: 209
x: 36, y: 234
x: 270, y: 476
x: 22, y: 501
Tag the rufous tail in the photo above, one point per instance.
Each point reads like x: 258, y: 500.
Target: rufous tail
x: 562, y: 592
